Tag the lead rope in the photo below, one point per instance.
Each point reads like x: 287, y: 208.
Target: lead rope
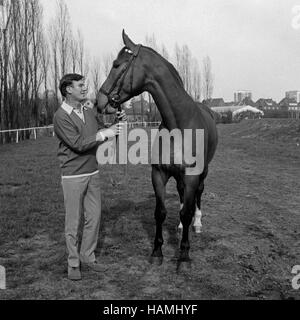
x: 118, y: 182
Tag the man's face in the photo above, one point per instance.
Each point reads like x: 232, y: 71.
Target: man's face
x: 78, y: 90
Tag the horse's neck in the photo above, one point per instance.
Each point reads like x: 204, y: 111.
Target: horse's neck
x: 175, y: 105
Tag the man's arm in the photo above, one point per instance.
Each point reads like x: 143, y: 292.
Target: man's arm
x: 65, y: 130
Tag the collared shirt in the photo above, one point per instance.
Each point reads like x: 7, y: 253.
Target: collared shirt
x: 78, y: 112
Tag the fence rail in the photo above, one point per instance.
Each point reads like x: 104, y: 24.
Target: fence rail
x: 35, y: 130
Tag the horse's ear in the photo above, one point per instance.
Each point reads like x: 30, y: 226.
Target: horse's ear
x: 128, y: 43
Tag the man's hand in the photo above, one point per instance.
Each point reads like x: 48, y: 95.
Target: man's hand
x: 111, y: 132
x: 122, y: 116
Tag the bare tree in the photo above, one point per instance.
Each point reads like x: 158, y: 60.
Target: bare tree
x: 29, y: 60
x: 74, y: 48
x: 207, y: 78
x: 45, y: 60
x: 64, y: 35
x: 183, y: 62
x: 20, y: 64
x: 96, y: 74
x: 86, y: 65
x: 16, y: 65
x: 107, y: 63
x: 37, y: 71
x: 6, y: 13
x: 196, y: 80
x: 186, y: 68
x: 151, y: 42
x: 81, y: 60
x: 164, y: 52
x: 178, y: 58
x: 53, y: 37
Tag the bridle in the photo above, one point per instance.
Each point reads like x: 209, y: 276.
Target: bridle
x: 114, y: 100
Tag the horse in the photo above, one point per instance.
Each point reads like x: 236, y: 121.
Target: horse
x: 137, y: 69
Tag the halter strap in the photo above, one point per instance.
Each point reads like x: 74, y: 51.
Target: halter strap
x: 122, y: 75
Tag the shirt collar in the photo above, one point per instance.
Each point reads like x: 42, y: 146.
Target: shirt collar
x: 69, y: 108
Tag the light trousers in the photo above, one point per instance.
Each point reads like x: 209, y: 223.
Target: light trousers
x: 82, y: 195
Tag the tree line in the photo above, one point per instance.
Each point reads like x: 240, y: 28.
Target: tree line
x: 34, y: 57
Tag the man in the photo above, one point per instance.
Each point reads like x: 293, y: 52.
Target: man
x: 79, y: 136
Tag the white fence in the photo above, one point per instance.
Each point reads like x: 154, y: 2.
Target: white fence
x: 143, y: 124
x: 35, y: 130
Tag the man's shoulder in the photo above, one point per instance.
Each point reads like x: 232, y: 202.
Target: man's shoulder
x: 60, y: 113
x: 60, y: 116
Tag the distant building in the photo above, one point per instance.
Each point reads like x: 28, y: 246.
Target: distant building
x: 293, y: 95
x: 266, y: 104
x: 247, y: 102
x: 292, y: 106
x: 227, y: 113
x: 224, y: 109
x: 139, y: 111
x: 239, y: 96
x: 217, y: 102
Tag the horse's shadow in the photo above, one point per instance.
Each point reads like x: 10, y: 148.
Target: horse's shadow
x: 109, y: 218
x: 142, y: 211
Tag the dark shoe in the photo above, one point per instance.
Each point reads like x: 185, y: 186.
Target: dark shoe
x: 74, y: 273
x: 95, y: 266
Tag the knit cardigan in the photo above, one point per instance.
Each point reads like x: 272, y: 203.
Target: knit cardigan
x: 77, y: 142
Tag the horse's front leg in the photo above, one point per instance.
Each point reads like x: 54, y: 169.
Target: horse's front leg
x: 159, y: 181
x: 187, y: 214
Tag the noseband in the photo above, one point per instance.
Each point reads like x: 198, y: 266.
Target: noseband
x: 114, y: 99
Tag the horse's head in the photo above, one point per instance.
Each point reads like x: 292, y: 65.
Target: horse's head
x: 125, y: 79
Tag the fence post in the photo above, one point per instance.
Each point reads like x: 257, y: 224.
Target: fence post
x: 17, y: 139
x: 34, y: 134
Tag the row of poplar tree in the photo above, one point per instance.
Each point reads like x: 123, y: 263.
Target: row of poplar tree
x: 34, y: 56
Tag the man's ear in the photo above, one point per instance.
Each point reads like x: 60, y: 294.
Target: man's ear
x: 68, y: 89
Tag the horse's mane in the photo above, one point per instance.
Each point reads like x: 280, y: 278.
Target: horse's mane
x: 169, y: 65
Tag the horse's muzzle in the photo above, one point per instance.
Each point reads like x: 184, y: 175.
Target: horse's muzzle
x: 102, y: 101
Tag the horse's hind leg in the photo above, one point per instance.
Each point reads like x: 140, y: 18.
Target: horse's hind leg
x: 198, y: 214
x: 187, y: 214
x: 159, y: 181
x: 180, y: 189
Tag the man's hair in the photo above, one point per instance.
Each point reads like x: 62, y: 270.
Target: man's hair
x: 67, y: 81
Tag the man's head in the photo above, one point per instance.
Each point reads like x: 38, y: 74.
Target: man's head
x: 73, y: 86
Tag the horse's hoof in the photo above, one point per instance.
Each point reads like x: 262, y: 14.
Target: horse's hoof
x: 157, y: 261
x: 197, y: 229
x: 184, y: 265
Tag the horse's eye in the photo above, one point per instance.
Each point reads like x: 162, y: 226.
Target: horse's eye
x: 128, y: 51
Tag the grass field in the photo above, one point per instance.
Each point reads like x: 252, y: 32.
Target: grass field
x: 249, y: 244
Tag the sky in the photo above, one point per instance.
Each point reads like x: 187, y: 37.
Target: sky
x: 253, y: 44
